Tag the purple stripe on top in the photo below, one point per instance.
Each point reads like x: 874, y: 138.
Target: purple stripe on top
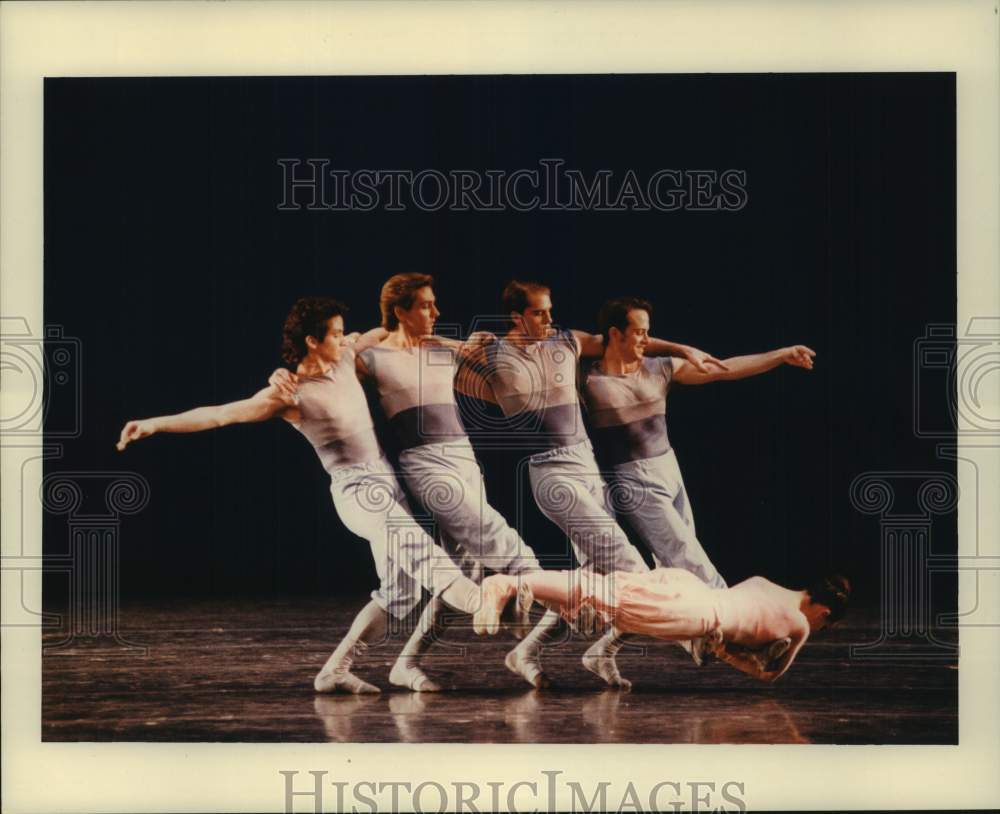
x: 536, y: 381
x: 416, y: 390
x: 627, y: 412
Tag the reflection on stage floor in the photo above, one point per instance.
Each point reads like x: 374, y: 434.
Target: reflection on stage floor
x: 186, y: 671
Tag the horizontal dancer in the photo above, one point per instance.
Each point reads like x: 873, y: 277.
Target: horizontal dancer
x: 674, y: 605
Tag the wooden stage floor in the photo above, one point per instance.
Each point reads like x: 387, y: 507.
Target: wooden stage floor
x: 241, y: 670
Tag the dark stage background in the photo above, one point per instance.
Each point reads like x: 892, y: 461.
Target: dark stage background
x: 166, y: 255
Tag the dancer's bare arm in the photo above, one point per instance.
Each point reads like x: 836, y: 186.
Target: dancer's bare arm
x: 261, y: 406
x: 741, y: 367
x: 366, y: 340
x: 286, y: 382
x: 592, y: 346
x: 746, y: 662
x: 471, y: 377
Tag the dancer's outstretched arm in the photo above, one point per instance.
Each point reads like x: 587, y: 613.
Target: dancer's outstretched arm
x: 592, y: 346
x: 741, y: 367
x: 261, y: 406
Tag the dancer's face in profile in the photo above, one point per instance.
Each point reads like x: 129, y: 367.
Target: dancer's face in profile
x: 536, y: 320
x: 419, y: 318
x: 329, y: 349
x: 633, y: 340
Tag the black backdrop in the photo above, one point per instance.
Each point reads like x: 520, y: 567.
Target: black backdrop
x: 167, y: 256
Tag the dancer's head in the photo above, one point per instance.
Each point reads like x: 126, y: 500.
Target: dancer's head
x: 408, y: 300
x: 624, y: 324
x: 530, y: 307
x: 828, y: 598
x: 314, y: 325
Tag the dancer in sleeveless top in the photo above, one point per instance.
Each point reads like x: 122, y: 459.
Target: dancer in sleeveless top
x: 532, y: 375
x: 331, y: 411
x: 625, y: 393
x: 674, y: 605
x: 415, y: 374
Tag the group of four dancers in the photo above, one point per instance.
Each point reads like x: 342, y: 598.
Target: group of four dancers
x: 531, y: 373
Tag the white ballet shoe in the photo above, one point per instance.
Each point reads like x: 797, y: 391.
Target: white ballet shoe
x: 343, y: 681
x: 411, y: 677
x: 602, y: 664
x: 528, y: 667
x: 336, y: 675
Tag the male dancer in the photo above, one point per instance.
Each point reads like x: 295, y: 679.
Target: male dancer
x: 332, y: 413
x: 625, y: 393
x: 415, y: 374
x: 532, y: 373
x: 675, y: 605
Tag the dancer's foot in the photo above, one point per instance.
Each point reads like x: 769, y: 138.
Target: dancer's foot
x: 497, y: 591
x: 601, y: 663
x: 336, y: 675
x: 527, y: 665
x: 411, y: 677
x: 343, y: 681
x: 516, y: 615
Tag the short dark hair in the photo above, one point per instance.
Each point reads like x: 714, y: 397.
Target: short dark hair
x: 515, y: 295
x: 399, y: 290
x: 614, y: 314
x: 308, y: 317
x: 833, y: 591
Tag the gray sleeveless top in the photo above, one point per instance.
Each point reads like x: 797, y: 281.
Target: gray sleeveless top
x: 628, y: 412
x: 416, y: 387
x: 334, y: 416
x: 535, y: 383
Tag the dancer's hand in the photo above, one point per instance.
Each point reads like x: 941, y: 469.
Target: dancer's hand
x: 352, y: 338
x: 714, y: 642
x: 701, y: 360
x: 480, y: 338
x: 133, y: 431
x: 286, y: 384
x: 799, y: 356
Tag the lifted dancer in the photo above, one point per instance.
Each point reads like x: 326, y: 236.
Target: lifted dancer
x: 673, y: 604
x: 625, y: 393
x: 332, y: 413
